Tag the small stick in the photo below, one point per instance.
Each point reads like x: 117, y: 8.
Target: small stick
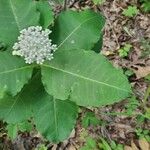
x: 115, y: 36
x: 65, y: 4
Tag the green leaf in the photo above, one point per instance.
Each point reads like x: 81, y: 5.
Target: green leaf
x: 46, y: 14
x: 12, y: 131
x: 16, y: 15
x: 145, y: 5
x: 55, y: 118
x: 104, y: 144
x: 14, y: 73
x: 41, y: 147
x: 3, y: 46
x: 91, y: 142
x: 19, y: 108
x: 77, y: 30
x: 85, y: 77
x: 14, y: 110
x: 14, y: 128
x: 90, y: 119
x: 98, y: 46
x: 123, y: 52
x: 25, y: 126
x: 131, y: 11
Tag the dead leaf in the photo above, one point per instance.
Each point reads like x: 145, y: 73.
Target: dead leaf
x: 71, y: 148
x: 133, y: 146
x: 128, y: 148
x: 107, y: 53
x: 144, y: 144
x: 54, y: 147
x: 141, y: 71
x: 72, y: 134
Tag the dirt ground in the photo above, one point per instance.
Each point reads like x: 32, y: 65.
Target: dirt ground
x: 116, y: 125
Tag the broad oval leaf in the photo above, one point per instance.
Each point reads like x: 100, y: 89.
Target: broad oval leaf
x: 77, y: 30
x: 19, y: 108
x: 14, y: 73
x: 16, y: 15
x: 14, y: 109
x: 55, y: 118
x: 87, y: 78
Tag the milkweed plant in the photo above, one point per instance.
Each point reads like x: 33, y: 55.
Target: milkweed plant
x: 51, y: 65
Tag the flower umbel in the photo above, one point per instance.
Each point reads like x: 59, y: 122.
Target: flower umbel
x: 34, y: 45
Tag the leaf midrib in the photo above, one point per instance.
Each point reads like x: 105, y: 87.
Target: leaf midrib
x: 15, y: 16
x: 14, y: 70
x: 18, y: 98
x: 74, y: 30
x: 83, y: 77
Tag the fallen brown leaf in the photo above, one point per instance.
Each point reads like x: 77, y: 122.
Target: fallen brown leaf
x: 134, y: 147
x: 71, y: 148
x: 107, y: 53
x: 141, y: 71
x: 144, y: 145
x: 54, y: 147
x: 128, y: 148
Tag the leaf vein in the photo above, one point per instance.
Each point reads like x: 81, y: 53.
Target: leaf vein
x: 15, y: 16
x: 13, y: 70
x: 75, y: 31
x: 85, y: 78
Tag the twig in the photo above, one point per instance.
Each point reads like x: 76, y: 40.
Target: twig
x: 116, y: 39
x: 65, y: 4
x: 73, y: 2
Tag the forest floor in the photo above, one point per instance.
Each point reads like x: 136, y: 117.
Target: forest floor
x: 124, y: 125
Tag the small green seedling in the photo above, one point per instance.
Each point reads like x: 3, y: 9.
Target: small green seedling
x: 13, y: 129
x: 116, y: 146
x: 100, y: 144
x: 90, y: 144
x: 145, y: 5
x: 141, y: 133
x: 132, y: 105
x: 41, y: 147
x: 129, y: 73
x: 131, y: 11
x: 130, y: 108
x: 104, y: 145
x: 90, y: 119
x: 123, y: 52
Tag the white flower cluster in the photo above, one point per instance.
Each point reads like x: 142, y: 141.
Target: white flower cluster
x: 34, y: 45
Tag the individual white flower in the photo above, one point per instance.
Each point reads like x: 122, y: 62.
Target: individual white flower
x: 34, y: 45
